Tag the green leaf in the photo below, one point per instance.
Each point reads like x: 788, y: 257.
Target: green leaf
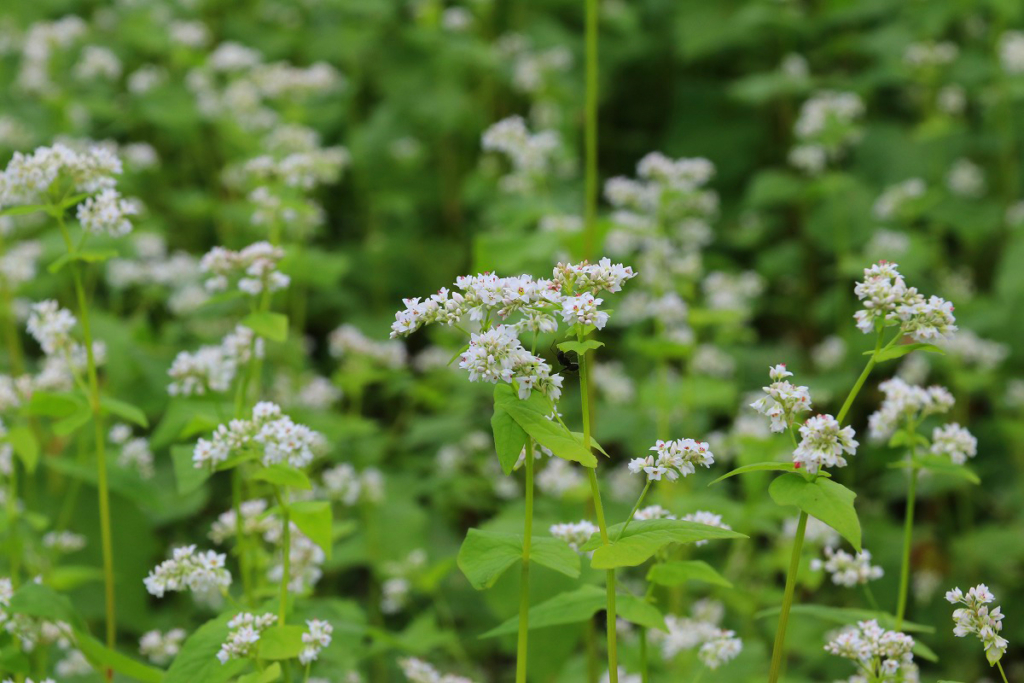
x: 197, y: 659
x: 580, y: 348
x: 37, y: 600
x: 188, y: 476
x: 847, y: 615
x: 23, y: 441
x: 198, y: 424
x: 531, y: 415
x: 272, y: 326
x: 50, y: 404
x: 642, y: 539
x: 486, y: 555
x: 69, y: 577
x: 124, y: 410
x: 509, y: 437
x: 901, y: 350
x: 268, y: 675
x: 593, y: 444
x: 677, y: 573
x: 281, y: 642
x: 283, y: 475
x: 823, y: 499
x: 104, y: 658
x: 764, y: 467
x: 924, y: 652
x: 73, y: 422
x: 85, y: 256
x: 939, y: 465
x: 21, y: 210
x: 314, y: 519
x: 640, y: 612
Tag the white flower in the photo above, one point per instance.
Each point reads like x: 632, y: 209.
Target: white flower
x: 716, y: 645
x: 64, y: 541
x: 1011, y: 52
x: 708, y: 519
x: 846, y: 569
x: 977, y: 618
x: 28, y: 178
x: 883, y: 655
x: 316, y: 638
x: 497, y: 354
x: 418, y: 671
x: 347, y: 341
x: 927, y: 321
x: 574, y: 533
x: 107, y: 213
x: 930, y: 55
x: 823, y: 443
x: 530, y: 154
x: 954, y: 441
x: 51, y: 325
x: 161, y: 648
x: 582, y: 310
x: 244, y: 635
x: 255, y: 521
x: 202, y: 572
x: 966, y: 179
x: 254, y: 269
x: 720, y: 648
x: 905, y: 402
x: 674, y: 458
x: 893, y: 200
x: 653, y: 512
x: 783, y: 400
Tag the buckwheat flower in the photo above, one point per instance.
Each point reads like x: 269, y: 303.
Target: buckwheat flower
x: 64, y: 541
x: 783, y: 401
x: 582, y: 310
x: 558, y: 478
x: 884, y: 656
x: 97, y: 62
x: 720, y: 648
x: 708, y: 519
x: 811, y: 159
x: 613, y: 383
x: 284, y: 440
x: 255, y: 522
x: 51, y: 325
x: 975, y: 617
x: 1011, y: 52
x: 677, y: 458
x: 561, y: 223
x: 823, y: 443
x: 594, y: 277
x: 846, y: 569
x: 161, y: 648
x: 187, y: 570
x: 497, y: 354
x: 951, y: 99
x: 830, y: 353
x: 966, y: 179
x: 893, y: 200
x: 316, y: 638
x: 574, y: 533
x: 530, y: 154
x: 73, y: 663
x: 653, y: 512
x: 119, y: 433
x: 418, y: 671
x: 927, y: 321
x: 18, y: 263
x: 136, y: 454
x: 305, y: 559
x: 954, y: 441
x: 730, y: 291
x: 930, y: 55
x: 882, y: 291
x: 244, y: 636
x: 348, y: 340
x: 905, y: 402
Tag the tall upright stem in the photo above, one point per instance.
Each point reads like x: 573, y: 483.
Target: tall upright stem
x: 613, y: 647
x: 286, y: 559
x: 590, y: 134
x: 524, y: 580
x: 787, y: 600
x: 908, y: 536
x: 860, y: 380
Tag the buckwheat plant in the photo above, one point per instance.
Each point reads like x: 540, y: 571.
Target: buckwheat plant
x: 880, y: 655
x: 976, y: 617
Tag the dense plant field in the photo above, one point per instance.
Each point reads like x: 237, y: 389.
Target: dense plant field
x: 443, y: 341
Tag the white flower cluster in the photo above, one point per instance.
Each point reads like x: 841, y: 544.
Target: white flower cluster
x: 37, y: 48
x: 892, y: 202
x: 306, y: 169
x: 576, y: 534
x: 28, y: 178
x: 701, y: 629
x: 966, y: 179
x: 846, y: 569
x: 255, y: 521
x: 930, y: 55
x: 674, y: 458
x: 881, y: 655
x: 497, y: 354
x: 1011, y: 52
x: 18, y: 263
x: 825, y: 128
x: 530, y: 154
x: 418, y: 671
x: 51, y: 325
x: 97, y: 63
x: 905, y: 402
x: 823, y: 443
x: 343, y: 483
x: 783, y: 401
x: 280, y: 439
x: 244, y: 635
x: 315, y: 639
x: 708, y: 519
x: 732, y: 291
x: 349, y: 341
x: 955, y: 441
x: 202, y: 573
x: 213, y: 368
x: 64, y: 541
x: 255, y: 268
x: 888, y: 301
x: 161, y: 648
x: 305, y: 559
x: 653, y: 512
x: 976, y: 617
x: 107, y: 213
x: 135, y: 452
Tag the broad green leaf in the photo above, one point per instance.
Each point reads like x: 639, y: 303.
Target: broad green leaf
x: 580, y: 348
x: 124, y: 410
x: 593, y: 444
x: 268, y: 675
x: 197, y: 659
x: 314, y: 519
x: 72, y: 423
x: 509, y: 437
x: 198, y: 424
x: 678, y: 573
x: 642, y: 539
x: 283, y: 475
x: 486, y: 555
x: 940, y: 465
x: 847, y: 615
x: 84, y: 256
x: 763, y: 467
x: 51, y: 404
x: 638, y: 611
x: 924, y: 652
x: 548, y: 433
x: 272, y: 326
x: 901, y: 350
x: 22, y: 210
x: 188, y: 476
x: 25, y: 445
x: 37, y: 600
x: 69, y: 577
x: 104, y: 658
x: 281, y: 642
x: 823, y: 499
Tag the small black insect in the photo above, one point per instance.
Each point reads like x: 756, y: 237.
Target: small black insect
x: 567, y: 359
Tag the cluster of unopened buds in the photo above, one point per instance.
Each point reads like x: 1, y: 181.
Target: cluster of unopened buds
x: 674, y: 459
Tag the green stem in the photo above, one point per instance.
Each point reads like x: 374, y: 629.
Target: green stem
x: 871, y: 597
x: 286, y: 552
x: 101, y: 455
x: 1001, y: 672
x: 787, y: 600
x: 860, y: 380
x: 590, y: 139
x: 12, y: 523
x: 635, y: 508
x: 524, y: 580
x: 240, y: 544
x: 908, y: 534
